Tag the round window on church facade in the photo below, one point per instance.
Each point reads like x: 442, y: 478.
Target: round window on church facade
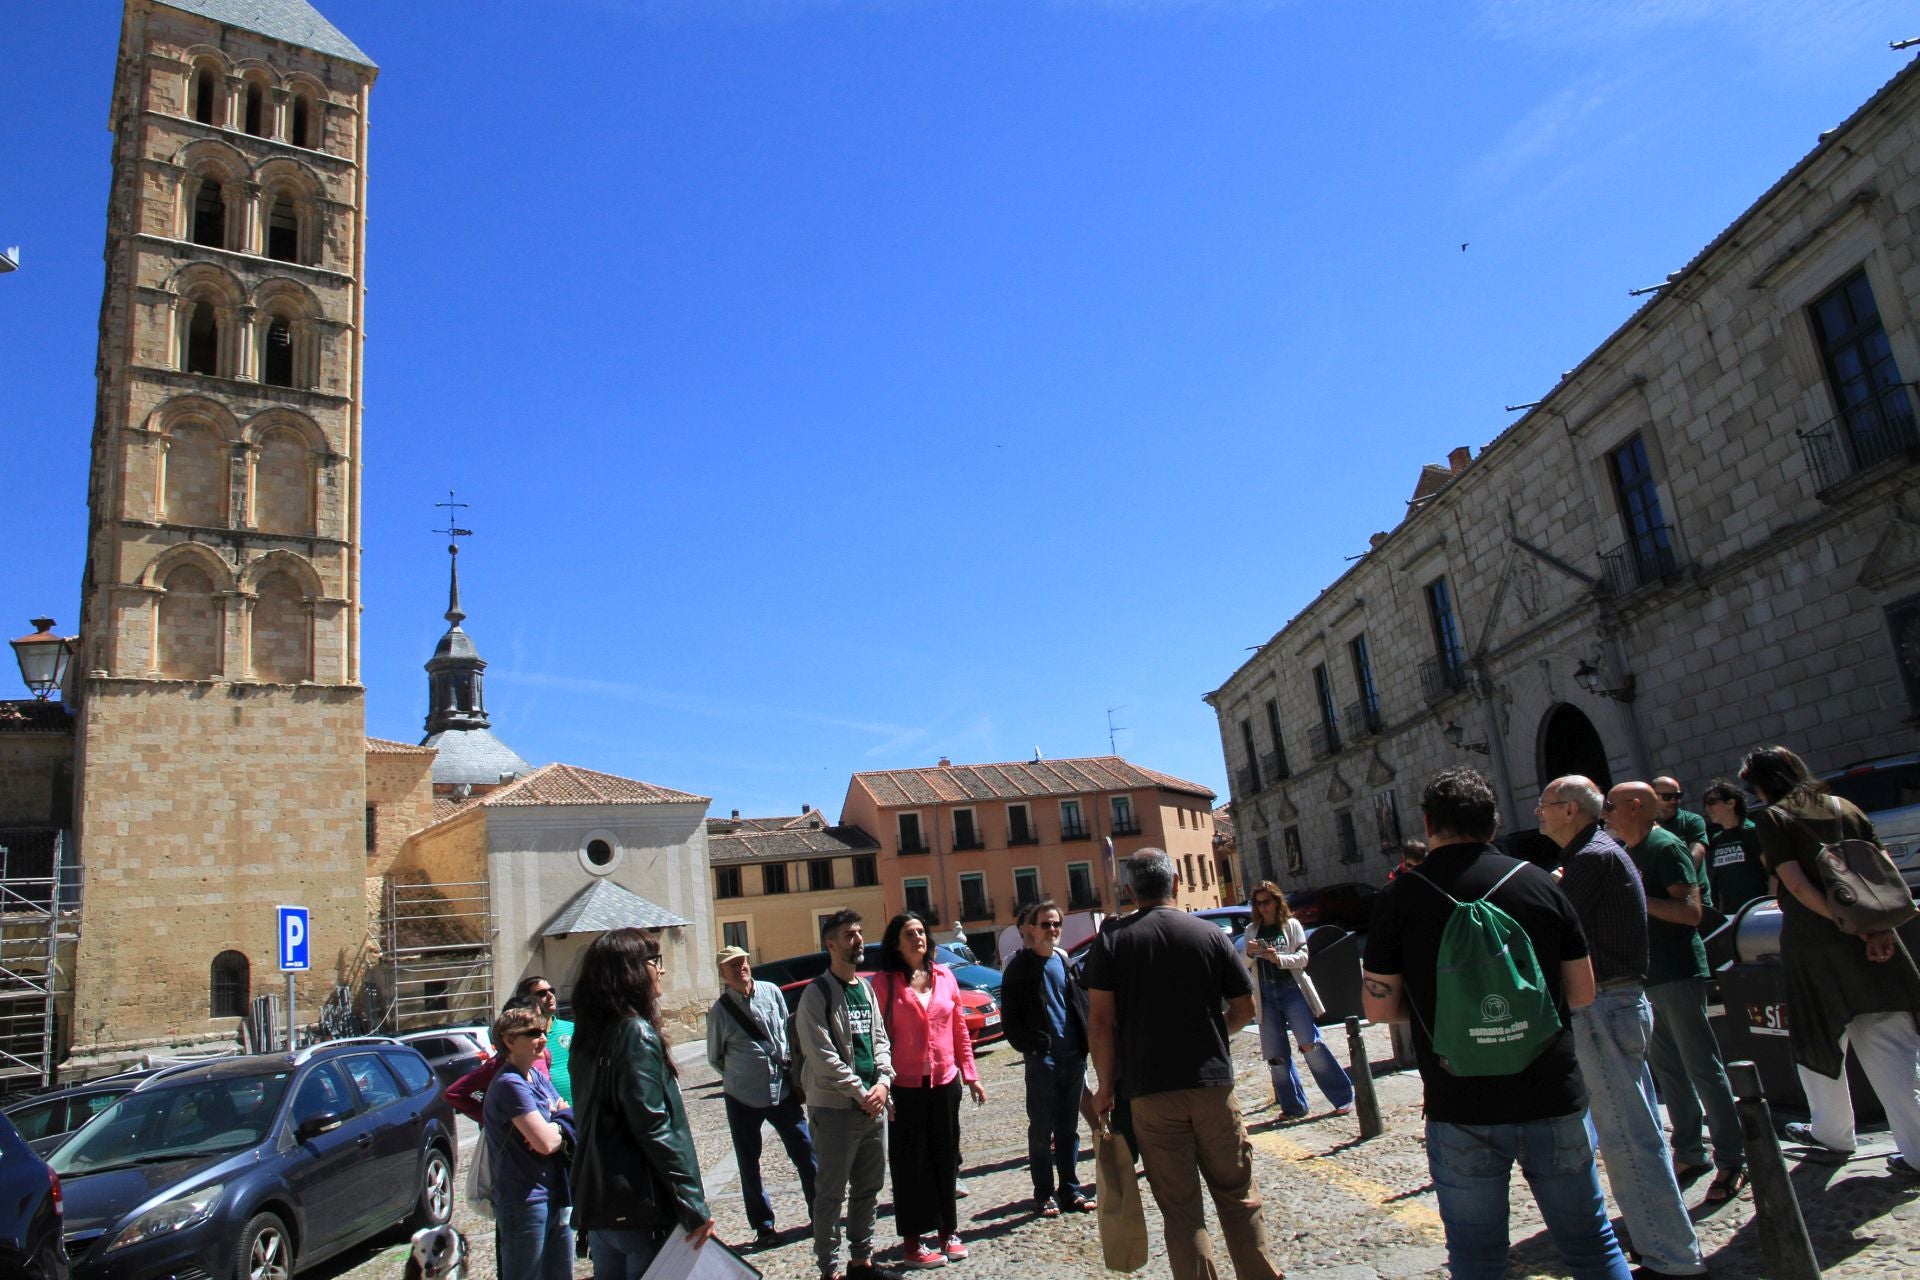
x: 599, y: 853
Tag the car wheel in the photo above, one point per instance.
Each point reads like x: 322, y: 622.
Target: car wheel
x: 436, y: 1192
x: 265, y: 1251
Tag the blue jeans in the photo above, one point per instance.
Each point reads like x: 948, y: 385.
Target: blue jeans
x: 1283, y: 1005
x: 1611, y: 1037
x: 532, y: 1241
x: 1685, y: 1058
x: 619, y: 1255
x: 1471, y: 1165
x: 1053, y: 1124
x: 790, y: 1122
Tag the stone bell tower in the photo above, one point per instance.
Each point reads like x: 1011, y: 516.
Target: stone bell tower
x: 221, y: 731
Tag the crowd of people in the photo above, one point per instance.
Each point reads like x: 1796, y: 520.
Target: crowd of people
x: 586, y: 1130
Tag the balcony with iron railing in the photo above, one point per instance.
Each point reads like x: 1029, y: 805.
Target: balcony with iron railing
x: 1126, y: 826
x: 1324, y: 740
x: 1078, y: 831
x: 1018, y: 837
x: 1863, y: 437
x: 1273, y: 768
x: 1646, y: 560
x: 973, y: 840
x: 1087, y: 900
x: 1250, y: 781
x: 975, y: 907
x: 1363, y: 717
x: 1443, y: 675
x: 917, y: 844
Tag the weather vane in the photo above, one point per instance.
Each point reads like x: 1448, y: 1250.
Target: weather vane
x: 453, y: 530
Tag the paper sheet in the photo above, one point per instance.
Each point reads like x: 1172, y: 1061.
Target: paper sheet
x: 677, y: 1260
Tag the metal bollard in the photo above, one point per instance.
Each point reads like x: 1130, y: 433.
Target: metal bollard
x: 1776, y: 1209
x: 1366, y: 1104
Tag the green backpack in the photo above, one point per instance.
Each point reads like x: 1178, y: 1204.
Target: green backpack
x: 1492, y: 1011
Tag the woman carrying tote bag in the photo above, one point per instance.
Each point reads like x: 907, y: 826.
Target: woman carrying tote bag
x: 635, y: 1175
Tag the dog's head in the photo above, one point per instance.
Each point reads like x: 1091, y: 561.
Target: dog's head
x: 438, y: 1253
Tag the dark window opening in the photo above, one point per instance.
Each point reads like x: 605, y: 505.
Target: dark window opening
x: 1349, y: 837
x: 1263, y: 853
x: 866, y: 870
x: 373, y: 826
x: 973, y: 898
x: 209, y: 215
x: 1072, y: 826
x: 203, y: 340
x: 599, y: 852
x: 1876, y: 416
x: 734, y: 934
x: 965, y: 834
x: 1124, y: 823
x: 1081, y: 895
x: 819, y: 874
x: 1327, y: 736
x: 1366, y: 712
x: 302, y: 122
x: 283, y: 231
x: 1026, y: 887
x: 205, y: 89
x: 230, y: 985
x: 726, y: 882
x: 256, y: 111
x: 1020, y: 825
x: 773, y: 878
x: 277, y: 367
x: 1649, y: 550
x: 910, y: 841
x: 1250, y: 776
x: 1280, y: 767
x: 920, y: 898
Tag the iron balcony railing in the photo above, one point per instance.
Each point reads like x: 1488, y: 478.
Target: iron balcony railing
x: 1083, y: 901
x: 1324, y: 741
x: 1077, y: 831
x: 972, y: 908
x: 1645, y: 560
x: 1029, y: 836
x: 1863, y: 436
x: 1273, y: 767
x: 1126, y: 826
x: 1363, y: 717
x: 973, y: 841
x: 1441, y: 675
x: 915, y: 845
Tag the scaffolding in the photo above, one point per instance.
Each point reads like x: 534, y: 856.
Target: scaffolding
x: 438, y: 960
x: 37, y: 887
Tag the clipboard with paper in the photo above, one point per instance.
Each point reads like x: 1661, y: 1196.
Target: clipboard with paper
x: 678, y: 1260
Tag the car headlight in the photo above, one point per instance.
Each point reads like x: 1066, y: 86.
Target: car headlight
x: 989, y: 1006
x: 188, y: 1209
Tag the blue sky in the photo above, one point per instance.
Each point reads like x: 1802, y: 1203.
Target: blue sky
x: 839, y: 384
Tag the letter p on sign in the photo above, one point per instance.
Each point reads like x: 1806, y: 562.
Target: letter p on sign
x: 293, y: 939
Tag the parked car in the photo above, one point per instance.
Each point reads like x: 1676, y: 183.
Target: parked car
x: 30, y: 1212
x: 1232, y: 919
x: 1887, y: 790
x: 1349, y: 905
x: 45, y: 1119
x: 256, y: 1166
x: 980, y: 1010
x: 451, y: 1051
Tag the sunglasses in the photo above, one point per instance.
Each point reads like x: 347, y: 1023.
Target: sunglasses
x: 1049, y: 924
x: 658, y: 962
x: 542, y: 991
x: 1670, y: 795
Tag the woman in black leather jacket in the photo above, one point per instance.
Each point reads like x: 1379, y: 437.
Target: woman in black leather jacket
x: 635, y: 1176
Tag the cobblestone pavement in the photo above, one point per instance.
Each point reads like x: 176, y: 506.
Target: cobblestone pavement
x: 1338, y: 1208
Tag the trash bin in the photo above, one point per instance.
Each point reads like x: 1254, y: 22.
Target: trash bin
x: 1334, y: 966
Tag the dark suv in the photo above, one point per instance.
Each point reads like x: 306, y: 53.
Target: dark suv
x: 254, y: 1166
x: 29, y: 1212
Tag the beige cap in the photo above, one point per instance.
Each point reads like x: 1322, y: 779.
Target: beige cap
x: 729, y: 954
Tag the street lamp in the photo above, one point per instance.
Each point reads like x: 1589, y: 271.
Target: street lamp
x: 1457, y: 738
x: 43, y: 658
x: 1587, y: 674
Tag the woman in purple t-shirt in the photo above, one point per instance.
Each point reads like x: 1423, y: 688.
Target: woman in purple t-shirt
x: 532, y: 1239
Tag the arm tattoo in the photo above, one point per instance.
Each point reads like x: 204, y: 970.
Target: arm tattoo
x: 1378, y: 989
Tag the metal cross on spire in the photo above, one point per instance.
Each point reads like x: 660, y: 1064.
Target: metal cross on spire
x: 453, y: 533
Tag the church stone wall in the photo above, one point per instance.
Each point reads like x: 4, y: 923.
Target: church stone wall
x: 400, y: 793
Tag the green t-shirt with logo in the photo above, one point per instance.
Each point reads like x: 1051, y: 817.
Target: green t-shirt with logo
x: 1674, y: 951
x: 860, y: 1023
x: 560, y: 1048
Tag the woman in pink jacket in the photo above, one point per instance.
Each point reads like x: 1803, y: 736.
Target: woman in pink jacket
x: 932, y: 1053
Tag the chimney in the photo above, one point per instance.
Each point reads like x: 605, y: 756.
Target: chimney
x: 1373, y: 543
x: 805, y: 809
x: 1459, y: 458
x: 736, y: 814
x: 945, y: 763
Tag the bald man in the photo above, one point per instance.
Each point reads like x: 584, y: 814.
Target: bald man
x: 1685, y: 823
x: 1685, y: 1056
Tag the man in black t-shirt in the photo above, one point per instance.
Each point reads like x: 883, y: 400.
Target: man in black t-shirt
x: 1479, y: 1126
x: 1166, y: 991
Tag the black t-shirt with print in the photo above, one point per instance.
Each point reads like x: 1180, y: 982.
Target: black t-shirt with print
x: 1171, y: 975
x: 1404, y: 940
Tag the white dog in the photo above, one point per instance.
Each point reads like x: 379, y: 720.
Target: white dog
x: 438, y: 1253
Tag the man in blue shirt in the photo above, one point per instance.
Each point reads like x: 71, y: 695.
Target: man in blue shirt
x: 747, y: 1045
x: 1045, y: 1014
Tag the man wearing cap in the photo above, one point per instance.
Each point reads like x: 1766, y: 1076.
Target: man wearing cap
x: 747, y: 1045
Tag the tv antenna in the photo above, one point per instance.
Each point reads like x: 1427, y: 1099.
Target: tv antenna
x: 1112, y: 729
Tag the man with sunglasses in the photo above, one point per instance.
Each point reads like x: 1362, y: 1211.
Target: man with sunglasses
x: 1044, y: 1012
x: 1685, y: 823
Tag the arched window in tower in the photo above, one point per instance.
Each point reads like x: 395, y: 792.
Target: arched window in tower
x: 283, y: 229
x: 189, y: 632
x: 276, y: 361
x: 204, y: 95
x: 209, y: 214
x: 196, y: 477
x: 282, y: 485
x: 256, y: 109
x: 202, y: 353
x: 279, y: 641
x: 303, y: 130
x: 230, y: 984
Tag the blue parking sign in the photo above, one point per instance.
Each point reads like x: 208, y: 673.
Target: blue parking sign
x: 293, y: 939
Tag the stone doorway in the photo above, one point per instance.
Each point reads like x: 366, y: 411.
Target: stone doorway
x: 1570, y: 744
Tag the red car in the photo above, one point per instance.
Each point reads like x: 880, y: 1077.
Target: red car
x: 980, y: 1010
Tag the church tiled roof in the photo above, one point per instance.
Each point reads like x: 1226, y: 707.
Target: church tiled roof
x: 604, y: 905
x: 294, y: 21
x: 782, y: 839
x: 570, y: 784
x: 944, y: 784
x: 388, y: 747
x: 473, y: 756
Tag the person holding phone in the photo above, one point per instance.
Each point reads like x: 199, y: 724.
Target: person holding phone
x: 1276, y: 947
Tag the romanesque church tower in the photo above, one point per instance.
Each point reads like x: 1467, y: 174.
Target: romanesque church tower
x: 221, y: 733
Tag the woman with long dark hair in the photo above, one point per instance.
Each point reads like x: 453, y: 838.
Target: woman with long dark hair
x: 932, y: 1053
x: 635, y: 1174
x: 1843, y: 989
x: 1276, y: 947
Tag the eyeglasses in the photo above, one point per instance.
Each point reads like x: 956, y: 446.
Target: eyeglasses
x: 542, y: 991
x: 1048, y: 924
x: 1547, y: 800
x: 657, y: 962
x: 1670, y: 795
x: 1606, y: 806
x: 1263, y: 902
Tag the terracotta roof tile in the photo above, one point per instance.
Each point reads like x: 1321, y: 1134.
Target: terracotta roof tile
x: 946, y: 784
x: 785, y: 843
x: 388, y: 747
x: 445, y: 807
x: 32, y: 715
x: 570, y: 784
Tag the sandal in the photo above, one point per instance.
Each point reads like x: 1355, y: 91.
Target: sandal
x: 1688, y: 1173
x: 1726, y: 1185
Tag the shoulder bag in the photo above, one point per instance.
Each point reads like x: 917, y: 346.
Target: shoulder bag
x: 1863, y: 888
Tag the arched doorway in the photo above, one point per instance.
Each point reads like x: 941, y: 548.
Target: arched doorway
x: 1570, y: 744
